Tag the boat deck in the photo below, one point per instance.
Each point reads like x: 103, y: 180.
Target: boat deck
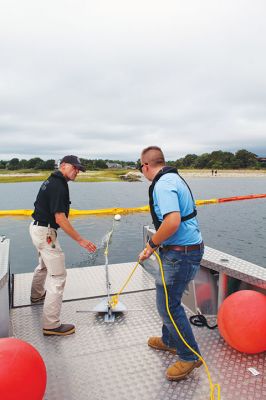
x: 102, y: 361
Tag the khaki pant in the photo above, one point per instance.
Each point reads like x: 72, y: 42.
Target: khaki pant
x: 49, y: 275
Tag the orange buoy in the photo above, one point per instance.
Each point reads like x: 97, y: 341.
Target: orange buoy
x: 22, y: 371
x: 242, y: 321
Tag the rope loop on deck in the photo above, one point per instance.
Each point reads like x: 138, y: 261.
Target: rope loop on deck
x: 200, y: 320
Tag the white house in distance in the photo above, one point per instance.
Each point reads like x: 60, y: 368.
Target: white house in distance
x: 113, y: 165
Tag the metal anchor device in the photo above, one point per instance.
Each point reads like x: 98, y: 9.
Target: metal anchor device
x: 107, y: 306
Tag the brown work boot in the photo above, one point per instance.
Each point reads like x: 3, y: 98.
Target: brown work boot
x: 62, y: 330
x: 181, y: 369
x: 38, y: 299
x: 156, y: 343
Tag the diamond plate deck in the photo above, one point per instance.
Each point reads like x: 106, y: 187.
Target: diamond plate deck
x: 105, y: 361
x: 87, y: 282
x: 102, y: 361
x: 90, y: 281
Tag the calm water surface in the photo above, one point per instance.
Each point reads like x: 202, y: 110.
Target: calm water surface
x: 237, y: 228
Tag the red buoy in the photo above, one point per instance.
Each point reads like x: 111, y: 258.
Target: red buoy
x: 22, y: 371
x: 242, y: 321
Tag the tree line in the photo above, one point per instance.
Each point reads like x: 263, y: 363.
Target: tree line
x: 37, y: 163
x: 215, y: 160
x: 221, y: 160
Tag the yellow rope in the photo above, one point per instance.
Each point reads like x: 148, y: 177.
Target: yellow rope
x: 212, y: 386
x: 114, y: 301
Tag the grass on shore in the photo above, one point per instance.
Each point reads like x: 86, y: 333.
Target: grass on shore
x: 110, y: 175
x: 113, y: 175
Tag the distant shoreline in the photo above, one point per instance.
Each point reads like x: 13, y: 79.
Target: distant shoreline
x: 225, y: 173
x: 114, y: 175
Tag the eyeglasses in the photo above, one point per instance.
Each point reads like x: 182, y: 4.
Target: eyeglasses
x: 142, y: 165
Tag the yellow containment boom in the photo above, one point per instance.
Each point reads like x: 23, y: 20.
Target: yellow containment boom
x: 113, y: 211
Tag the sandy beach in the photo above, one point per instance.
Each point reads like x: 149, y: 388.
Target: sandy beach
x: 234, y: 173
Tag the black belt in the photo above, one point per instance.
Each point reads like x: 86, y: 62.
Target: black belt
x: 40, y: 223
x: 182, y: 248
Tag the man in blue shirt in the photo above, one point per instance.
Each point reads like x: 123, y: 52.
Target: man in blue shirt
x: 181, y: 249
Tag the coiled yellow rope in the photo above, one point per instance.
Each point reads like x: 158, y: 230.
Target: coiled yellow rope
x: 114, y: 301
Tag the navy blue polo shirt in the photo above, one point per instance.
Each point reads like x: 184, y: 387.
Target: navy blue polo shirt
x: 53, y: 197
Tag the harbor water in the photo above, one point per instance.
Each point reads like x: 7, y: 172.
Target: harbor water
x: 237, y: 228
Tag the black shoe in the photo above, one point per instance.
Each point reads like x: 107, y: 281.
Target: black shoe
x: 38, y: 299
x: 62, y: 330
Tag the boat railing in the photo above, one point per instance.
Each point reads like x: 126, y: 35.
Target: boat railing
x: 220, y: 275
x: 4, y: 286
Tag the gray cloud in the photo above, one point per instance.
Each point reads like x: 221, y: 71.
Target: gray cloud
x: 104, y: 79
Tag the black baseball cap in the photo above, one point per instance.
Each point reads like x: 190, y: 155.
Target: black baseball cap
x: 73, y: 160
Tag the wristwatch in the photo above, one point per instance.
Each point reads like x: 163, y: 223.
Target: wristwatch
x: 152, y: 245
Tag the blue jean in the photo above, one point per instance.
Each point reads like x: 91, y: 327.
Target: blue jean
x: 179, y: 269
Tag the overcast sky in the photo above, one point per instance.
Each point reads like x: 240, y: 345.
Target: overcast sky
x: 105, y: 78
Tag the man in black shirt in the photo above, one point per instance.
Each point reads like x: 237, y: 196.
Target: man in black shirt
x: 50, y: 213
